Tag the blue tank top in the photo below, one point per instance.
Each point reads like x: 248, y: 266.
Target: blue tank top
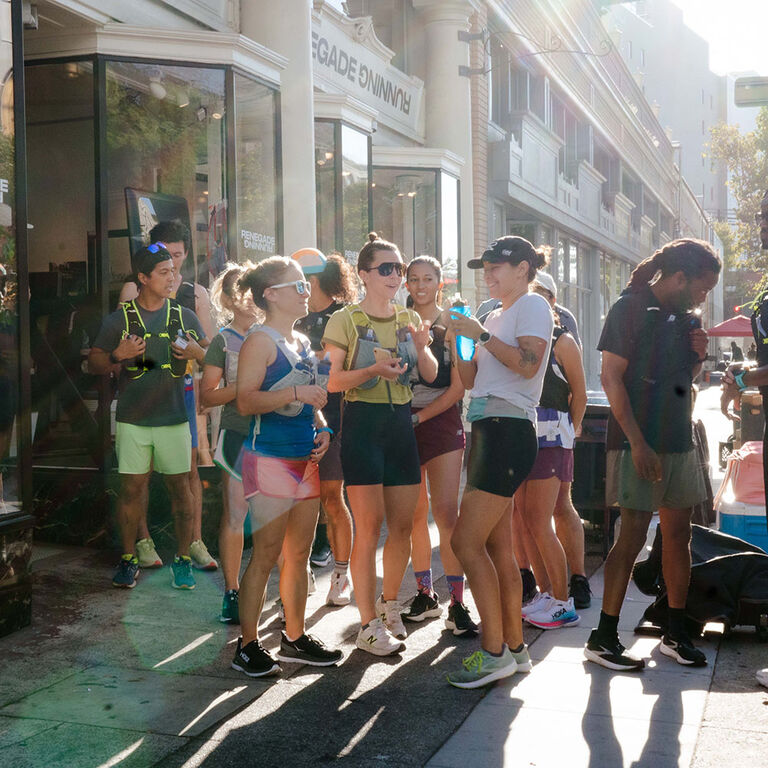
x: 285, y: 437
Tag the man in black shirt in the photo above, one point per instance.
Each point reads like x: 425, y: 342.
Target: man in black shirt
x: 653, y: 346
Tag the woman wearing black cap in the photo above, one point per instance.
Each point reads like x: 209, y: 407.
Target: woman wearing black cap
x: 505, y: 377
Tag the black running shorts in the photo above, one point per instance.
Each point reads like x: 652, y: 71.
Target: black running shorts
x: 501, y: 454
x: 378, y: 446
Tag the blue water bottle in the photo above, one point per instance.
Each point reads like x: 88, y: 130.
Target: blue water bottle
x: 464, y: 345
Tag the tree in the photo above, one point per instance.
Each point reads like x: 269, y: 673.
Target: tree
x: 746, y: 158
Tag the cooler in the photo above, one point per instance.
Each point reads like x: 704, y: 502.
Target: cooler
x: 747, y: 521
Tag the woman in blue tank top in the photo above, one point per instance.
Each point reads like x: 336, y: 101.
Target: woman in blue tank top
x: 288, y: 437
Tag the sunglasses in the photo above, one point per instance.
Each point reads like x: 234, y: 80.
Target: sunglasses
x: 155, y: 247
x: 385, y: 269
x: 301, y: 286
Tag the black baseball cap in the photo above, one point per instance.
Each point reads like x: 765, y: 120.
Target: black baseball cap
x: 511, y: 248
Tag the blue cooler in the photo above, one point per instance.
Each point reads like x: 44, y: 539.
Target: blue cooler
x: 747, y: 521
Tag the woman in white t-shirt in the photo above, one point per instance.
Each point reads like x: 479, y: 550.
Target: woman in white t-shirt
x: 505, y: 377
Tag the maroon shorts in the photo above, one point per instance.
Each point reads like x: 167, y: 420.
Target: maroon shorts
x: 553, y: 462
x: 441, y: 434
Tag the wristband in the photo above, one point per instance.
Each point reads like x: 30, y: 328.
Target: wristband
x: 295, y: 396
x: 739, y: 379
x: 325, y: 429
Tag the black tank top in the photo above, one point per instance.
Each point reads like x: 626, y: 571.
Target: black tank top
x: 442, y: 353
x: 555, y: 390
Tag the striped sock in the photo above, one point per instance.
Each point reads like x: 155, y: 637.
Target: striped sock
x: 340, y: 566
x: 456, y: 588
x: 424, y: 581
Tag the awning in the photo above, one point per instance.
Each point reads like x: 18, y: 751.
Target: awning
x: 733, y: 327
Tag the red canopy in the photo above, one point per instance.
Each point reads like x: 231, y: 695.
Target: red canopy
x: 733, y: 327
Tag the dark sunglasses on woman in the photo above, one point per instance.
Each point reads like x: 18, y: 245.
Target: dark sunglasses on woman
x: 385, y: 268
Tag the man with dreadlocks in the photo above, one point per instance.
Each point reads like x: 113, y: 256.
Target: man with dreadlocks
x: 653, y: 346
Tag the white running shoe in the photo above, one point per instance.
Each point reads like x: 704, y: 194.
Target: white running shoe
x: 389, y: 612
x: 557, y: 614
x: 311, y: 583
x: 537, y: 603
x: 376, y: 639
x: 339, y: 591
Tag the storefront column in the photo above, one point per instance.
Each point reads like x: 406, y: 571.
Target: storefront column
x: 448, y: 106
x: 288, y: 32
x: 592, y: 324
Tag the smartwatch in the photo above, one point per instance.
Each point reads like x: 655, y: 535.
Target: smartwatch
x: 415, y: 419
x: 484, y: 338
x: 113, y: 359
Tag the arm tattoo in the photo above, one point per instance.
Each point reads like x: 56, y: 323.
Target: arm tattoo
x: 528, y: 358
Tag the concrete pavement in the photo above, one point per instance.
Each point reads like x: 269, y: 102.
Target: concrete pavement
x: 141, y: 678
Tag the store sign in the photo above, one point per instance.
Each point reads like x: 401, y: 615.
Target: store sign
x: 352, y: 66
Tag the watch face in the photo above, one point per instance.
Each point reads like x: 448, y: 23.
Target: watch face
x: 484, y: 337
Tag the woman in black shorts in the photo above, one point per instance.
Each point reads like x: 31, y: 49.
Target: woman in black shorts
x: 440, y: 439
x: 373, y: 347
x: 333, y: 285
x: 505, y: 377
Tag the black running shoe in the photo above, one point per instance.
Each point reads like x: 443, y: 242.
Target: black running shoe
x: 307, y: 650
x: 253, y: 660
x: 682, y: 650
x: 580, y: 592
x: 424, y: 606
x: 459, y: 622
x: 321, y: 554
x: 529, y: 584
x: 611, y: 654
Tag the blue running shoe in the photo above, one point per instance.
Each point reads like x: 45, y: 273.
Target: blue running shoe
x: 126, y: 573
x: 557, y: 614
x: 181, y: 573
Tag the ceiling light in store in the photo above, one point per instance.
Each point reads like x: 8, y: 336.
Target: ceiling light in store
x: 71, y: 69
x: 346, y: 173
x: 373, y: 184
x: 182, y: 99
x: 218, y: 111
x: 411, y: 194
x: 156, y: 87
x: 329, y: 155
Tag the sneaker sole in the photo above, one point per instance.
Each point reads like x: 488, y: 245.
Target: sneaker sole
x: 123, y: 586
x: 555, y: 624
x: 208, y: 567
x: 321, y: 563
x: 595, y: 657
x: 376, y: 652
x: 468, y: 632
x: 499, y: 674
x: 275, y: 668
x: 525, y: 667
x: 673, y: 654
x: 432, y: 613
x: 297, y: 660
x: 338, y: 602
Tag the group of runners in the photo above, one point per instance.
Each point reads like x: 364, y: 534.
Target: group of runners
x: 355, y: 406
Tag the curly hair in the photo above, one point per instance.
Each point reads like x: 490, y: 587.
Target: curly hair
x: 338, y: 280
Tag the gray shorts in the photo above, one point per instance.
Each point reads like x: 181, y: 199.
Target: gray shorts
x: 681, y: 485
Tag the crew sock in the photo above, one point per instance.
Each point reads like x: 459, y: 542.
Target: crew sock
x: 424, y: 581
x: 456, y: 588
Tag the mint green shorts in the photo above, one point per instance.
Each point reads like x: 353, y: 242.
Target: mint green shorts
x: 166, y: 449
x: 681, y: 485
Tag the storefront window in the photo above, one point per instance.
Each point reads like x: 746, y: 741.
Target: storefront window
x: 354, y: 184
x: 255, y: 177
x: 325, y: 178
x: 64, y: 306
x: 449, y: 227
x: 404, y: 210
x: 166, y: 130
x: 9, y: 314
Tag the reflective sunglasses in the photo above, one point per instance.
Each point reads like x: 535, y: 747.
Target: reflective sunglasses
x: 385, y: 268
x: 301, y: 286
x: 155, y: 247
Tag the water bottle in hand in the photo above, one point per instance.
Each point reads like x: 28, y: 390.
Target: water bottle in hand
x: 464, y: 345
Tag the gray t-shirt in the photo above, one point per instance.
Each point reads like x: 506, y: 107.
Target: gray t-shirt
x: 231, y: 418
x: 156, y: 398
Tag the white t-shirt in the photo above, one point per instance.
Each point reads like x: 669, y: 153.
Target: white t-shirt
x: 530, y: 315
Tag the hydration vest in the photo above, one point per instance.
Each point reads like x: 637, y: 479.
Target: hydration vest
x: 366, y: 341
x: 302, y: 373
x: 233, y: 343
x: 174, y: 328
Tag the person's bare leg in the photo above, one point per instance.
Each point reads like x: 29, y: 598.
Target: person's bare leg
x: 142, y: 526
x: 196, y: 490
x: 570, y: 530
x: 501, y: 552
x: 367, y: 503
x: 421, y: 544
x: 444, y: 474
x: 540, y: 500
x: 131, y: 505
x: 297, y: 543
x: 181, y: 504
x: 399, y: 504
x: 339, y: 519
x: 621, y: 558
x: 676, y: 554
x: 231, y: 537
x: 267, y: 543
x: 480, y: 513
